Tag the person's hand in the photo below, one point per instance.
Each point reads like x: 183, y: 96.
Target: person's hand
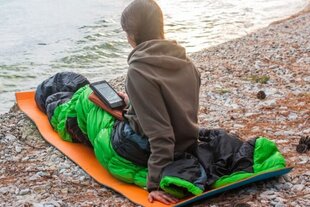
x: 162, y: 196
x: 124, y: 97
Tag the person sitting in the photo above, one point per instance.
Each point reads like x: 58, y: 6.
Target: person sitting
x: 163, y: 88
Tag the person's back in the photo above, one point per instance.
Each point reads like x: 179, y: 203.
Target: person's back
x: 163, y: 88
x: 160, y: 70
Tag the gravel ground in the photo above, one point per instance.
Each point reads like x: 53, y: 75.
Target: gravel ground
x: 236, y: 76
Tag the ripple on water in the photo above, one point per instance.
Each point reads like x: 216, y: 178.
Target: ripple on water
x: 86, y: 36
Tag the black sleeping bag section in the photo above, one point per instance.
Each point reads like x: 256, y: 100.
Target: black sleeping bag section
x: 221, y: 153
x: 218, y: 152
x: 58, y: 89
x: 187, y: 167
x: 129, y: 144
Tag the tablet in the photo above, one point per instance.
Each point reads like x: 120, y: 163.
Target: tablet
x: 107, y: 94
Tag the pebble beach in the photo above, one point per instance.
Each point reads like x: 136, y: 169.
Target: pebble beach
x: 256, y: 85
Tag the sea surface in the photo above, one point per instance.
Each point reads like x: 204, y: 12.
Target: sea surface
x: 39, y: 38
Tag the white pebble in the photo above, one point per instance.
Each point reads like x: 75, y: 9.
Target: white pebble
x: 18, y: 149
x: 24, y: 191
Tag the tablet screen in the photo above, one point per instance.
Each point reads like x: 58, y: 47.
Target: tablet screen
x: 108, y: 93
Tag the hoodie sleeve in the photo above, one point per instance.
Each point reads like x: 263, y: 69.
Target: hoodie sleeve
x: 149, y: 105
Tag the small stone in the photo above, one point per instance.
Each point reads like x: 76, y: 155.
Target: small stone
x: 269, y: 103
x: 53, y: 203
x: 53, y: 167
x: 255, y: 129
x: 10, y: 137
x: 292, y: 116
x: 24, y: 191
x: 269, y: 192
x: 304, y: 160
x: 295, y: 180
x: 280, y: 200
x: 3, y: 190
x: 53, y: 157
x: 69, y: 174
x: 288, y: 179
x: 17, y: 191
x: 298, y: 188
x: 64, y: 190
x: 238, y: 125
x: 271, y: 197
x: 33, y: 177
x: 18, y: 149
x: 62, y: 171
x: 26, y: 158
x: 288, y: 133
x: 280, y: 204
x: 252, y: 191
x: 234, y: 106
x: 279, y: 186
x: 294, y: 203
x: 281, y: 141
x: 38, y: 189
x: 42, y: 174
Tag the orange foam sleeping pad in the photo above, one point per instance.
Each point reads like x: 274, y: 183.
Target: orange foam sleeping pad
x: 84, y: 157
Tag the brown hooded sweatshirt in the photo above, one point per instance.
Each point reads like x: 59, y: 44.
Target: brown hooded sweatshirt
x: 163, y: 88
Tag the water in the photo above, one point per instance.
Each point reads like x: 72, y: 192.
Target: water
x: 41, y: 37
